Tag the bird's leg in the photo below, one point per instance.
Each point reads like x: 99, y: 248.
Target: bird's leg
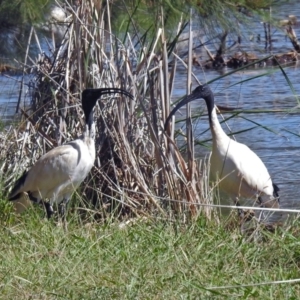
x: 261, y: 213
x: 240, y: 215
x: 240, y: 211
x: 259, y: 201
x: 47, y: 205
x: 62, y: 210
x: 49, y: 209
x: 244, y: 216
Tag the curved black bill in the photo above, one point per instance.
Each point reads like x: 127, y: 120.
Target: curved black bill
x: 90, y: 96
x: 183, y: 102
x: 92, y: 93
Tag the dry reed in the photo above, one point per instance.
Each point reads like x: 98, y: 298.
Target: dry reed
x: 139, y: 170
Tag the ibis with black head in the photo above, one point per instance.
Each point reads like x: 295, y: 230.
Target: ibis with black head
x: 238, y: 170
x: 58, y: 173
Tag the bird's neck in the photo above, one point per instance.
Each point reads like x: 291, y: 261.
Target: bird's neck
x: 215, y: 126
x: 90, y: 143
x: 90, y: 125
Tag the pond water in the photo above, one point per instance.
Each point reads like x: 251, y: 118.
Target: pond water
x: 277, y: 143
x: 9, y: 94
x: 278, y: 147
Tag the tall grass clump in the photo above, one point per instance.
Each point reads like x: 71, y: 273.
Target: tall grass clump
x: 138, y: 167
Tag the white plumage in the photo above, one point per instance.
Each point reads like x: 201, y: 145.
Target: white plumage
x: 57, y: 174
x: 238, y: 170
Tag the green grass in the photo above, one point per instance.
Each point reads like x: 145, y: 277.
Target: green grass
x: 145, y: 259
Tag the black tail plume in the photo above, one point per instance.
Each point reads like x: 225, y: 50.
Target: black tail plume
x: 14, y: 192
x: 275, y: 191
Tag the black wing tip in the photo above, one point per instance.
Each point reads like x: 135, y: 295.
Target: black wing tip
x: 276, y: 189
x: 15, y: 197
x: 14, y: 194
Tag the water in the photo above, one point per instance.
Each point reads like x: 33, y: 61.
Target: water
x: 277, y: 147
x: 9, y: 94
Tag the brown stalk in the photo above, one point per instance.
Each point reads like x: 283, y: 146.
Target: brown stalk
x: 139, y: 169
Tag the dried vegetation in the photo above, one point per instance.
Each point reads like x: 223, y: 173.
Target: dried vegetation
x: 138, y: 169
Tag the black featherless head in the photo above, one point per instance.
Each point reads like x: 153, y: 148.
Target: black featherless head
x: 89, y: 98
x: 201, y: 91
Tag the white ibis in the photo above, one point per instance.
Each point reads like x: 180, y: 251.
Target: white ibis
x: 57, y: 174
x: 238, y: 170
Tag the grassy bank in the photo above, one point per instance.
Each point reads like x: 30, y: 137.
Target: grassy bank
x: 140, y: 173
x: 144, y: 259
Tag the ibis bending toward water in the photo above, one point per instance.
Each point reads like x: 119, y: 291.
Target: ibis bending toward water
x: 56, y: 175
x: 238, y: 171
